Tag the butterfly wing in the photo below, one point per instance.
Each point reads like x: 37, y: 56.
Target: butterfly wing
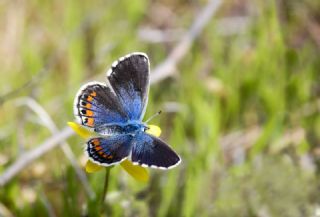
x: 109, y: 151
x: 129, y: 78
x: 150, y: 151
x: 96, y: 105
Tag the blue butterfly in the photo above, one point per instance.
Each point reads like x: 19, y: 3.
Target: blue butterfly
x: 115, y: 111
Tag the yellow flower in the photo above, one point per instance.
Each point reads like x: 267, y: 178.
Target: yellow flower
x: 137, y: 172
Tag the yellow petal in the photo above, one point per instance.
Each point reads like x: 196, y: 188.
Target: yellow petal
x: 154, y: 130
x: 137, y: 172
x: 80, y: 130
x: 92, y: 167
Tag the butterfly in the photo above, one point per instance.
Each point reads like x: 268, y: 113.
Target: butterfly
x: 114, y: 111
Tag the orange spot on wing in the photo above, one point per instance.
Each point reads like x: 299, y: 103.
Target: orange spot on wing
x: 93, y: 93
x: 90, y: 122
x: 88, y: 105
x: 110, y: 157
x: 89, y: 113
x: 96, y: 142
x: 98, y: 148
x: 101, y: 153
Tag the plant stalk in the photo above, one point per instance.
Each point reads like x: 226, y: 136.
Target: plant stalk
x: 105, y: 188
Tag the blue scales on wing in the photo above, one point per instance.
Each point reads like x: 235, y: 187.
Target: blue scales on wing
x: 150, y: 151
x: 129, y: 78
x: 110, y: 150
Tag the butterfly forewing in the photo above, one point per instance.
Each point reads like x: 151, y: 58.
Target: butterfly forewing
x: 129, y: 78
x: 96, y: 104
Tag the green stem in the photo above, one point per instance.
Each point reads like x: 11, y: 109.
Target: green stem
x: 105, y: 188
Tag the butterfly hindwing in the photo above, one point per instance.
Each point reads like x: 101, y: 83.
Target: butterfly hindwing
x: 129, y: 78
x: 109, y: 151
x: 150, y: 151
x: 96, y: 105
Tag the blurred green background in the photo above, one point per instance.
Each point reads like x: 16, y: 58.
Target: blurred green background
x: 241, y: 109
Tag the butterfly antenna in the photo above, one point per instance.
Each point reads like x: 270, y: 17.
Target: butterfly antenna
x: 153, y: 116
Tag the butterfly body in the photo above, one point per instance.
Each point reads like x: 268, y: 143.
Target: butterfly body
x: 115, y: 111
x: 121, y: 128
